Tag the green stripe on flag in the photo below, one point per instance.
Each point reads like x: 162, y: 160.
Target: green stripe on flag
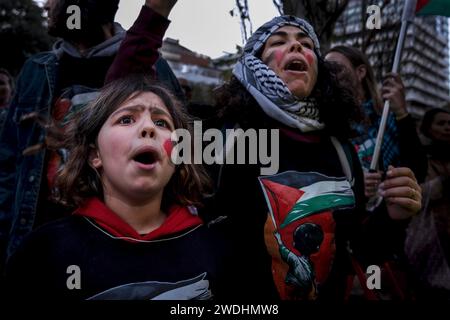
x: 435, y: 8
x: 318, y: 204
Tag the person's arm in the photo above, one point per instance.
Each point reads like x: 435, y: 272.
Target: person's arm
x: 139, y: 50
x: 9, y: 153
x: 412, y: 153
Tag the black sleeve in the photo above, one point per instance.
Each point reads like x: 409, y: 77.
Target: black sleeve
x: 412, y: 153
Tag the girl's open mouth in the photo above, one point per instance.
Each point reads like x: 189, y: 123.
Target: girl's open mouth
x: 146, y: 158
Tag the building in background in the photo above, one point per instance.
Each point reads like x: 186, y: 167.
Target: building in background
x: 192, y: 69
x: 226, y: 62
x: 424, y: 65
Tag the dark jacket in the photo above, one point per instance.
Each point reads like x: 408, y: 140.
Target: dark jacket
x: 248, y: 198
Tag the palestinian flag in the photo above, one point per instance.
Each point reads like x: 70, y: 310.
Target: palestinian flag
x: 292, y: 195
x: 433, y: 7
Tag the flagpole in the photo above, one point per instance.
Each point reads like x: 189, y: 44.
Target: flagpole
x: 408, y: 14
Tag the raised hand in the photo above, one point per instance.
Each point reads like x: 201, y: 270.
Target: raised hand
x: 401, y: 192
x: 394, y: 91
x: 163, y: 7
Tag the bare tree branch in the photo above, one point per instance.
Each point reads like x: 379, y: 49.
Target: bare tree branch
x: 322, y: 14
x: 246, y: 24
x: 279, y: 5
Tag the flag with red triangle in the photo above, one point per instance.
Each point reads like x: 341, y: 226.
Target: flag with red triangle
x: 433, y: 7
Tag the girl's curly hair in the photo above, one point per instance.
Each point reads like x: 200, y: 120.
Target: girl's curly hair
x: 78, y: 180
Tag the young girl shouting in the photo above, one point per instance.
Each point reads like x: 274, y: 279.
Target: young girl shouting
x: 135, y: 233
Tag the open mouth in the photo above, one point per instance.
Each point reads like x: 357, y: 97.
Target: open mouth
x: 296, y: 65
x: 147, y: 157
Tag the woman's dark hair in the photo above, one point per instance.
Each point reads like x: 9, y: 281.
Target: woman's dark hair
x: 369, y: 83
x: 428, y: 119
x: 336, y: 103
x: 78, y: 180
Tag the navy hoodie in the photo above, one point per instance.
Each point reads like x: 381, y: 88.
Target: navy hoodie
x: 94, y: 254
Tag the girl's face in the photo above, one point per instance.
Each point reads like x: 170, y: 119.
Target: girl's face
x: 132, y: 155
x: 289, y: 52
x: 440, y: 127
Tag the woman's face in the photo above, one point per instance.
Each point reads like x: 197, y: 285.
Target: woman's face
x: 347, y: 72
x: 132, y: 155
x: 440, y: 127
x: 289, y: 52
x: 349, y: 76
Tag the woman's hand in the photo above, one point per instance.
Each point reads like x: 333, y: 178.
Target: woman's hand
x: 394, y: 91
x: 371, y: 183
x: 401, y: 192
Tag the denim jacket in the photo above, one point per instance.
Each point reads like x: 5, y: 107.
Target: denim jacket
x: 20, y: 176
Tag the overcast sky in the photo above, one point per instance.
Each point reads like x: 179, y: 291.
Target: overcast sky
x: 204, y: 26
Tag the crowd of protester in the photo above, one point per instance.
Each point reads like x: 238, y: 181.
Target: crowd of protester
x: 88, y: 179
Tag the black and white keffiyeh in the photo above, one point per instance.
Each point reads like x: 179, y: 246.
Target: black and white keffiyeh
x: 267, y: 88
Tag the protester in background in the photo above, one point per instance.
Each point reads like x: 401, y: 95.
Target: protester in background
x: 52, y: 86
x: 401, y: 145
x: 6, y: 92
x: 428, y: 241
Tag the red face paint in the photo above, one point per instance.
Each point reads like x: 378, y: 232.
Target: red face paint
x: 168, y: 147
x: 278, y: 55
x: 310, y: 58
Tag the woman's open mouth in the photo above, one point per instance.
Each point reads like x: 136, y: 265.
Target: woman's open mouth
x: 296, y: 65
